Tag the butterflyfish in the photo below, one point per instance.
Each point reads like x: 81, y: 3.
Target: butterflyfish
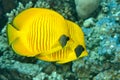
x: 37, y: 31
x: 46, y: 35
x: 72, y: 52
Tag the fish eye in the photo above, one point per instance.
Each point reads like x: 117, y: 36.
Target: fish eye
x: 63, y: 40
x: 78, y: 50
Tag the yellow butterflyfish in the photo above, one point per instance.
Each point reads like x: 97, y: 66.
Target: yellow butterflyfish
x: 72, y: 52
x: 45, y: 34
x: 37, y: 31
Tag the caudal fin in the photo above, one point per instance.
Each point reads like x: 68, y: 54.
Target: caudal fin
x: 12, y: 33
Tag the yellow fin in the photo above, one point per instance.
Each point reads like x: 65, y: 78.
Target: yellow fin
x: 12, y: 33
x: 69, y: 58
x: 46, y: 57
x: 63, y: 61
x: 22, y: 50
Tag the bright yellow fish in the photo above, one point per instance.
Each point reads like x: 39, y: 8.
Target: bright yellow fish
x: 72, y: 52
x: 37, y: 31
x: 45, y: 34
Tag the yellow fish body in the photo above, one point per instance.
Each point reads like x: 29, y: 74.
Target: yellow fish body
x: 46, y: 35
x: 37, y: 31
x: 72, y: 52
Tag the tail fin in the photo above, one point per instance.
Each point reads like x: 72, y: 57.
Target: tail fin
x: 12, y: 33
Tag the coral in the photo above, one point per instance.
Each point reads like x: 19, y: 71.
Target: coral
x: 53, y: 76
x: 89, y: 22
x: 3, y: 46
x: 84, y: 8
x: 102, y: 37
x: 106, y: 75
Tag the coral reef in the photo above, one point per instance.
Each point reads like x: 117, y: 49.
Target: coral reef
x: 102, y: 37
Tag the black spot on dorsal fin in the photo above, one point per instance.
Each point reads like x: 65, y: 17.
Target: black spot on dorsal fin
x: 63, y: 40
x: 78, y: 50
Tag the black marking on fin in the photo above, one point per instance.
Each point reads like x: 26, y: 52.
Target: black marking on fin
x: 63, y: 40
x: 78, y: 50
x: 14, y: 26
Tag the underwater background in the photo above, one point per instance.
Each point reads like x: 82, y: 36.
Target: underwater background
x: 100, y: 22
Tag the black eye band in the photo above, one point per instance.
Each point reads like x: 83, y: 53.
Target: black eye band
x: 63, y: 40
x: 78, y: 50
